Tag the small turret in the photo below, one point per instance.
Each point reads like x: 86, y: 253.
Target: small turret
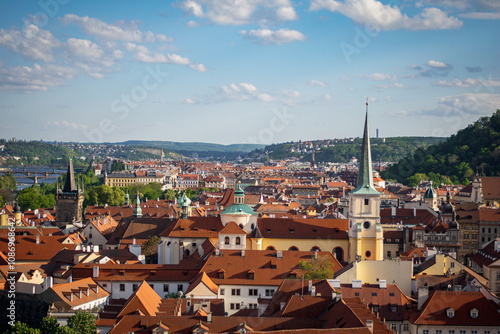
x: 137, y: 209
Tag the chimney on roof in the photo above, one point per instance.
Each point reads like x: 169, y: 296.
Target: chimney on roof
x: 279, y: 254
x: 209, y: 317
x: 423, y: 294
x: 313, y: 291
x: 38, y: 239
x: 369, y: 324
x: 335, y: 283
x: 382, y: 284
x: 95, y: 272
x: 356, y: 284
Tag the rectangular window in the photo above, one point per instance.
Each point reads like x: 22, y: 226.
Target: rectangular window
x: 222, y: 292
x: 235, y: 292
x: 134, y: 286
x: 165, y: 287
x: 367, y: 201
x: 439, y: 331
x: 463, y: 331
x: 406, y: 327
x: 122, y: 287
x: 388, y: 253
x: 394, y: 327
x: 452, y: 264
x: 179, y: 287
x: 473, y: 332
x: 252, y: 292
x: 269, y: 292
x: 425, y: 331
x: 451, y: 331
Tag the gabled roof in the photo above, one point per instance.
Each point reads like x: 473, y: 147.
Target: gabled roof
x: 268, y: 268
x: 232, y: 228
x: 303, y: 228
x: 194, y: 227
x: 203, y: 278
x: 144, y: 299
x: 434, y: 310
x: 75, y: 293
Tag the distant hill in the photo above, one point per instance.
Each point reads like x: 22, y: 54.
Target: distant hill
x: 194, y: 146
x: 477, y: 147
x: 342, y: 150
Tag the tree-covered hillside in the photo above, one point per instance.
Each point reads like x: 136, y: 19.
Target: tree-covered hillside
x: 477, y: 147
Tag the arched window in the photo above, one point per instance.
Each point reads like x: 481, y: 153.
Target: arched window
x: 315, y: 249
x: 186, y: 252
x: 270, y: 248
x: 226, y: 240
x: 252, y: 226
x: 238, y: 240
x: 241, y: 225
x: 339, y: 253
x: 293, y: 248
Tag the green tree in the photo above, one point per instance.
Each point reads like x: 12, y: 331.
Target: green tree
x: 33, y: 198
x: 169, y: 194
x: 83, y: 322
x: 21, y: 328
x: 49, y: 325
x: 117, y: 166
x: 8, y: 181
x: 317, y: 268
x: 416, y: 179
x: 150, y: 247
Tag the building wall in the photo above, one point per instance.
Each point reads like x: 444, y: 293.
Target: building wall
x: 326, y: 245
x: 158, y: 286
x: 393, y: 271
x: 225, y: 292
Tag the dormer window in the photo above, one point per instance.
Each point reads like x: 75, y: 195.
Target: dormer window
x: 375, y: 308
x: 474, y: 313
x: 450, y: 313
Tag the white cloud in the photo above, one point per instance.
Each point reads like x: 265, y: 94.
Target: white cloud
x: 291, y: 93
x: 377, y: 16
x: 248, y: 87
x: 381, y: 76
x: 468, y: 83
x: 279, y: 37
x: 438, y: 65
x: 26, y: 79
x: 64, y: 124
x: 465, y: 104
x: 192, y: 24
x: 481, y: 15
x: 316, y: 83
x: 189, y: 101
x: 142, y: 54
x: 33, y: 43
x: 265, y: 97
x: 125, y: 32
x: 239, y: 12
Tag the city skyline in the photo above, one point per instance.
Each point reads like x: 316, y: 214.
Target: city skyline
x: 245, y: 71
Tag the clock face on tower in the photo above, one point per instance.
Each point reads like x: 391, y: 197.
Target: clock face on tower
x: 366, y: 225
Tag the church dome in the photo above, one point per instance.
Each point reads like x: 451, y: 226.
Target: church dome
x: 453, y: 224
x: 447, y: 209
x: 430, y: 193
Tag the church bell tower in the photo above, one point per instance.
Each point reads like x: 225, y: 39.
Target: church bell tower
x: 366, y: 239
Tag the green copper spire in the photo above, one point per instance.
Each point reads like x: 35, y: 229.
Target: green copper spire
x: 137, y: 209
x: 365, y: 173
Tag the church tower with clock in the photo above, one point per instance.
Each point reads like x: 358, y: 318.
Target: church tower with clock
x: 366, y: 238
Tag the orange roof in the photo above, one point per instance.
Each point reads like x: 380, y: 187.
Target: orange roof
x: 203, y: 278
x: 79, y: 292
x: 434, y: 310
x: 144, y: 299
x: 232, y: 228
x: 268, y: 268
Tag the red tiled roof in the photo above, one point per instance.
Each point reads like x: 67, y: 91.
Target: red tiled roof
x: 434, y: 310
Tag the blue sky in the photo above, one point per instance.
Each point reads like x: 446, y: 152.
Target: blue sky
x: 245, y: 71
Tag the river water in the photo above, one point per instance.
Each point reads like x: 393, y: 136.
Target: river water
x: 23, y: 181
